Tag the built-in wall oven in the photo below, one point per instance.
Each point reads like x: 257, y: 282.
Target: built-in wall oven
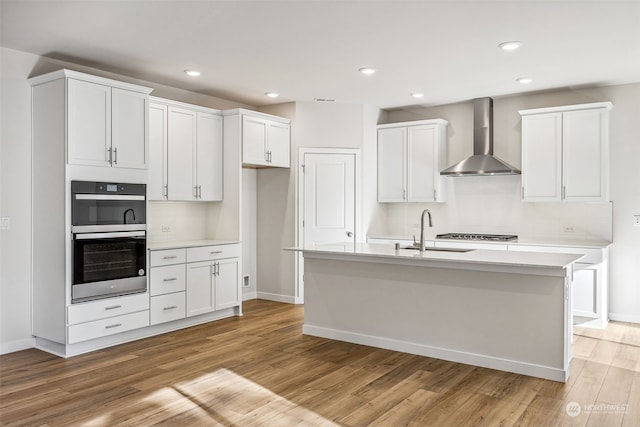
x: 108, y: 223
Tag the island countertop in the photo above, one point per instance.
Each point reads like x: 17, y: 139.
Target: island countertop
x: 387, y: 253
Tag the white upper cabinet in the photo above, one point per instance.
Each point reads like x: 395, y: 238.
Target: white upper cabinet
x: 185, y: 152
x: 410, y: 157
x: 266, y: 139
x: 565, y: 153
x: 209, y: 156
x: 106, y: 125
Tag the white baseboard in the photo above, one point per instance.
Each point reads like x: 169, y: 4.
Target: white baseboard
x: 249, y: 295
x: 18, y: 345
x: 277, y: 297
x: 516, y: 367
x: 621, y: 317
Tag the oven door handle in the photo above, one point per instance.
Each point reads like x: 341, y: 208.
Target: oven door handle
x: 134, y: 234
x: 108, y: 197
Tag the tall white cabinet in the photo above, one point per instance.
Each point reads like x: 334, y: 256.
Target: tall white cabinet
x: 84, y: 127
x: 565, y: 153
x: 410, y: 157
x: 185, y: 152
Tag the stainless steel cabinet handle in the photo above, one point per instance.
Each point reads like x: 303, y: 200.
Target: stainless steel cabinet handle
x: 172, y: 279
x: 199, y: 191
x: 564, y: 192
x: 110, y: 155
x: 170, y: 308
x: 113, y: 326
x: 165, y: 191
x: 404, y: 194
x: 170, y: 257
x: 349, y: 234
x: 113, y: 307
x: 115, y: 156
x: 215, y: 252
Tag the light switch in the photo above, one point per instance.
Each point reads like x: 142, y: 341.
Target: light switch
x: 5, y: 223
x: 636, y: 220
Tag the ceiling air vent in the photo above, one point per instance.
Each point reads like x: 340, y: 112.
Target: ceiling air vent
x: 324, y: 100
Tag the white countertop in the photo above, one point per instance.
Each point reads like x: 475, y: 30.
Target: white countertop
x: 478, y: 256
x: 533, y: 241
x: 154, y: 246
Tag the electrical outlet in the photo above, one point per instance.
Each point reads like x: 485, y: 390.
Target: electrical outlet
x: 636, y: 220
x: 245, y: 281
x: 569, y: 230
x: 166, y: 229
x: 5, y: 223
x: 417, y: 225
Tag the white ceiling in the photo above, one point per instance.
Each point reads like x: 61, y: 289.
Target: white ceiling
x: 313, y: 49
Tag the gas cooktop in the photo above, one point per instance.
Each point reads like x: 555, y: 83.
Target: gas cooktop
x: 487, y: 237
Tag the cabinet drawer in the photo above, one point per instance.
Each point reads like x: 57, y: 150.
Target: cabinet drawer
x: 103, y: 327
x: 89, y: 311
x: 205, y: 253
x: 167, y: 257
x: 167, y: 279
x: 165, y: 308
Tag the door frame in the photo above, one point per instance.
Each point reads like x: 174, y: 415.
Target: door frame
x: 299, y: 214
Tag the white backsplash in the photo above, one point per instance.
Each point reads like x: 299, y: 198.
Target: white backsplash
x: 180, y: 220
x: 492, y: 205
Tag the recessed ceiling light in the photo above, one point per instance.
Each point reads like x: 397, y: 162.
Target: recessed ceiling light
x: 272, y: 94
x: 511, y: 45
x: 417, y: 95
x: 192, y: 73
x: 367, y: 70
x: 524, y: 80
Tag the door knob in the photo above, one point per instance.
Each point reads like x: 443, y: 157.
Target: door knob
x: 349, y: 234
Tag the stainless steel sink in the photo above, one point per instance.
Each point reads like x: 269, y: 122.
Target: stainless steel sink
x: 431, y: 249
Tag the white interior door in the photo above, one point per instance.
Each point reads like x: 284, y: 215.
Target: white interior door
x: 329, y: 198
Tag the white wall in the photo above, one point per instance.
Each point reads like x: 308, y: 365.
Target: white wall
x: 249, y: 232
x: 492, y: 204
x: 188, y: 220
x: 15, y: 200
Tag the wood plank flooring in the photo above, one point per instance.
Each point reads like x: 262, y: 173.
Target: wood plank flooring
x: 259, y: 370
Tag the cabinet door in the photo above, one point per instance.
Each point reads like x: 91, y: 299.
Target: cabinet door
x: 542, y: 157
x: 254, y: 141
x: 421, y: 163
x: 181, y: 154
x: 200, y: 297
x: 209, y: 156
x: 129, y: 128
x: 88, y: 123
x: 585, y: 163
x: 279, y: 144
x: 227, y: 289
x: 157, y: 152
x: 392, y: 166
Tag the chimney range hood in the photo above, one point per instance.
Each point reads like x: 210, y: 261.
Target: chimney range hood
x: 483, y: 162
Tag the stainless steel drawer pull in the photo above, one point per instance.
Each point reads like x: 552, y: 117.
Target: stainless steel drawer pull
x: 113, y: 307
x: 172, y: 279
x: 113, y: 326
x: 170, y: 308
x: 170, y: 257
x: 215, y: 252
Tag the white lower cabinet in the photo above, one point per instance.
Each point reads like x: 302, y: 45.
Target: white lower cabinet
x: 212, y: 285
x: 105, y: 317
x: 191, y: 281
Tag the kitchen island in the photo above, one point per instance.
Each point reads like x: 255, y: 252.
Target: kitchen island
x: 496, y: 309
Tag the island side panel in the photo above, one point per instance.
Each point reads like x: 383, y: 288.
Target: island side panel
x: 508, y: 321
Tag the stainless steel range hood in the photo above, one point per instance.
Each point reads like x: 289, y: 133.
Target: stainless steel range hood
x: 483, y: 162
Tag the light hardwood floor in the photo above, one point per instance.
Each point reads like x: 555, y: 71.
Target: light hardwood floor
x: 260, y: 370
